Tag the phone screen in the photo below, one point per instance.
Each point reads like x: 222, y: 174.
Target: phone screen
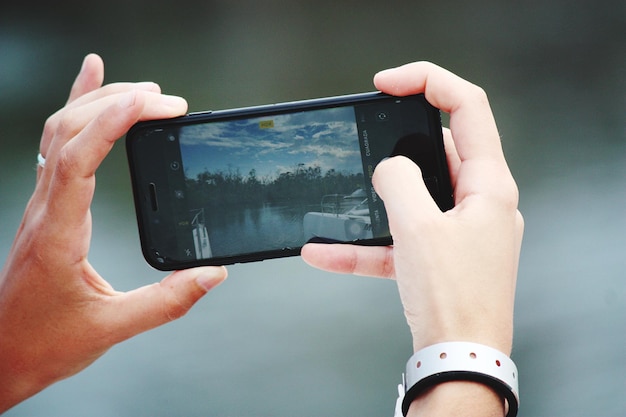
x: 252, y: 184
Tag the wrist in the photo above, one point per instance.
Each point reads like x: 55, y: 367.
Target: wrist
x: 21, y: 377
x: 15, y: 387
x: 458, y: 398
x: 452, y: 371
x: 503, y: 343
x: 497, y: 334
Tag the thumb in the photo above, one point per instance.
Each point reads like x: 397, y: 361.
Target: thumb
x: 148, y: 307
x: 398, y: 181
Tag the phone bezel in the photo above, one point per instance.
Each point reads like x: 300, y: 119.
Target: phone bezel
x: 262, y: 111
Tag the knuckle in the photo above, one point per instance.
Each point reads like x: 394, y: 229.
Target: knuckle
x: 66, y: 120
x: 65, y: 166
x: 173, y: 306
x: 519, y: 222
x: 58, y: 127
x: 388, y: 269
x: 501, y: 188
x: 478, y: 93
x: 50, y: 126
x: 510, y: 199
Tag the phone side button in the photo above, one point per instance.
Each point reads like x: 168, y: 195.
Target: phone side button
x: 196, y: 113
x: 246, y: 261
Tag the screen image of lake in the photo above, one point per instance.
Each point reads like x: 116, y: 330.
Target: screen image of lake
x: 256, y: 179
x: 247, y: 229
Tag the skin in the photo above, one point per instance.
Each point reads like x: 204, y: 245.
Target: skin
x: 57, y: 314
x: 456, y: 271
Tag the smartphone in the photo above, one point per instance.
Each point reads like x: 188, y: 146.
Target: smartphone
x: 255, y: 183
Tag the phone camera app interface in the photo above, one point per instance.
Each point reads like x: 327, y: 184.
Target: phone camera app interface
x: 276, y: 182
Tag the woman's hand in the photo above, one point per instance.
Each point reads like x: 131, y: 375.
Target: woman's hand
x: 57, y: 314
x: 456, y: 271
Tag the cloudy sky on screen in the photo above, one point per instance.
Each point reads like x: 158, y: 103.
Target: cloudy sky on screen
x: 326, y: 138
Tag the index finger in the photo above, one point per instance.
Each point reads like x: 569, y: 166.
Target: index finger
x: 472, y: 123
x: 466, y: 103
x: 72, y: 177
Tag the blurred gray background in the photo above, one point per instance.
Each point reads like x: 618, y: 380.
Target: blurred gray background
x: 280, y: 338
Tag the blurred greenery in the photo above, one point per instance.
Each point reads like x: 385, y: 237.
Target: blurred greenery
x: 279, y: 338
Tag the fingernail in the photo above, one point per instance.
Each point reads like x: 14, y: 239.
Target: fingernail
x: 82, y: 66
x: 211, y: 277
x: 383, y: 160
x: 385, y: 72
x: 172, y: 101
x: 148, y: 86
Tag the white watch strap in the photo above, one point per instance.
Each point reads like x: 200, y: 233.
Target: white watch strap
x: 398, y: 410
x: 453, y: 361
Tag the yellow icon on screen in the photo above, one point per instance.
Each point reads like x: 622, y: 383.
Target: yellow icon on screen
x: 266, y: 124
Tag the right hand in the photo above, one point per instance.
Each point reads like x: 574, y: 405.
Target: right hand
x: 456, y: 271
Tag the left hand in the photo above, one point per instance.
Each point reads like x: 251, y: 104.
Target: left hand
x: 57, y: 314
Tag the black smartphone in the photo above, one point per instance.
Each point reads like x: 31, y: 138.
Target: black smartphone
x: 242, y: 185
